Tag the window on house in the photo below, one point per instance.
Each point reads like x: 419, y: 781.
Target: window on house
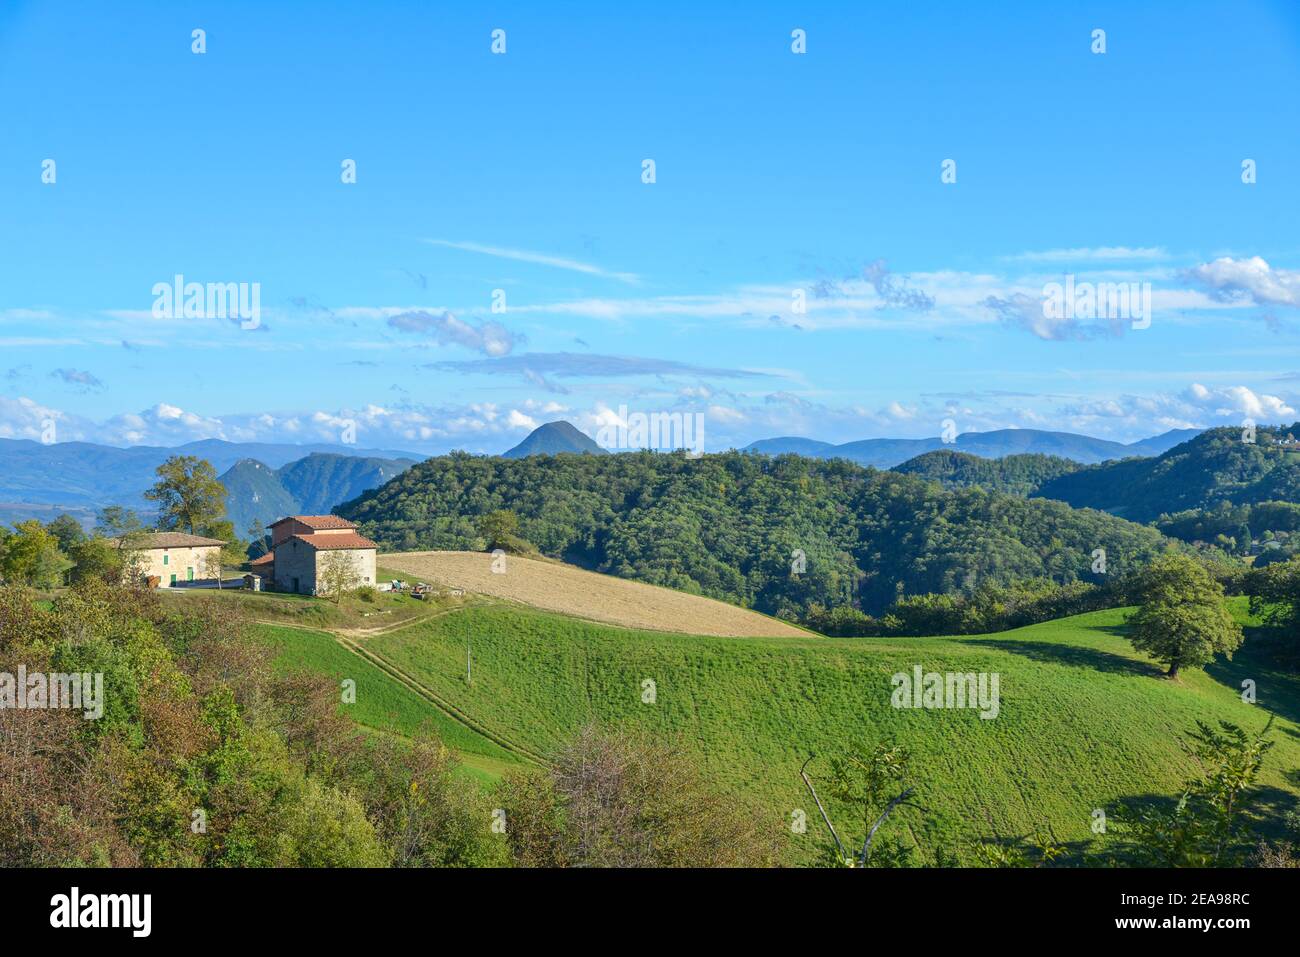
x: 165, y: 557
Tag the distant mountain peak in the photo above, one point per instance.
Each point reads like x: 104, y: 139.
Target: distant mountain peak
x: 552, y: 439
x: 313, y: 484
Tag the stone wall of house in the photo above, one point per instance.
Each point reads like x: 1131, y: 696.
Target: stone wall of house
x: 166, y: 562
x: 362, y: 559
x: 295, y: 567
x: 295, y: 559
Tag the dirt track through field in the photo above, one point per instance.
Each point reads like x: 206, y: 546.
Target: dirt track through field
x: 553, y: 586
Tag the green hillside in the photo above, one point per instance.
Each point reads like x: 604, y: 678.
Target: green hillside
x: 384, y: 703
x: 729, y: 525
x: 1083, y: 719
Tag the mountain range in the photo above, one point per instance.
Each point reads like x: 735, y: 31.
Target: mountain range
x: 556, y: 437
x: 39, y: 481
x: 887, y: 453
x: 313, y: 485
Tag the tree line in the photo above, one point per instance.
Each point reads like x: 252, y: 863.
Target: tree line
x: 780, y: 535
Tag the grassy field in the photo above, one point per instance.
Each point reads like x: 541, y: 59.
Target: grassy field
x: 1083, y: 719
x: 555, y: 586
x: 384, y: 704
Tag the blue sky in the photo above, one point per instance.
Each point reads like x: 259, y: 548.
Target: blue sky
x: 775, y: 172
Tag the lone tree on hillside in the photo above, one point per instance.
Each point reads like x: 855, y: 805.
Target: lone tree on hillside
x: 188, y: 494
x: 1182, y: 621
x: 501, y: 530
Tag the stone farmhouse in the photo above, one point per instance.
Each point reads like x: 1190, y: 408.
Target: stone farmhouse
x: 175, y: 557
x: 302, y: 547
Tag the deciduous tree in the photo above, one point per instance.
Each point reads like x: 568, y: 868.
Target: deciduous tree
x: 188, y: 494
x: 1183, y: 621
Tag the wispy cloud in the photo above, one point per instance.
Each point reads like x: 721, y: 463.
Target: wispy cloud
x: 78, y: 377
x: 1020, y: 311
x: 1092, y: 254
x: 541, y: 259
x: 575, y: 364
x: 488, y: 337
x: 894, y: 291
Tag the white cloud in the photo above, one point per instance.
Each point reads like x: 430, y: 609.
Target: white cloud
x: 1252, y: 279
x: 731, y: 421
x: 1197, y: 406
x: 21, y: 418
x: 1238, y: 400
x: 518, y: 420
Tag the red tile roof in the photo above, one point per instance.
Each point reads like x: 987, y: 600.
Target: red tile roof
x: 332, y: 542
x: 264, y: 560
x: 317, y: 521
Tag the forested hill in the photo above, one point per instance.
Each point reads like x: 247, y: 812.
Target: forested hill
x: 1216, y: 467
x: 1015, y: 474
x: 729, y: 525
